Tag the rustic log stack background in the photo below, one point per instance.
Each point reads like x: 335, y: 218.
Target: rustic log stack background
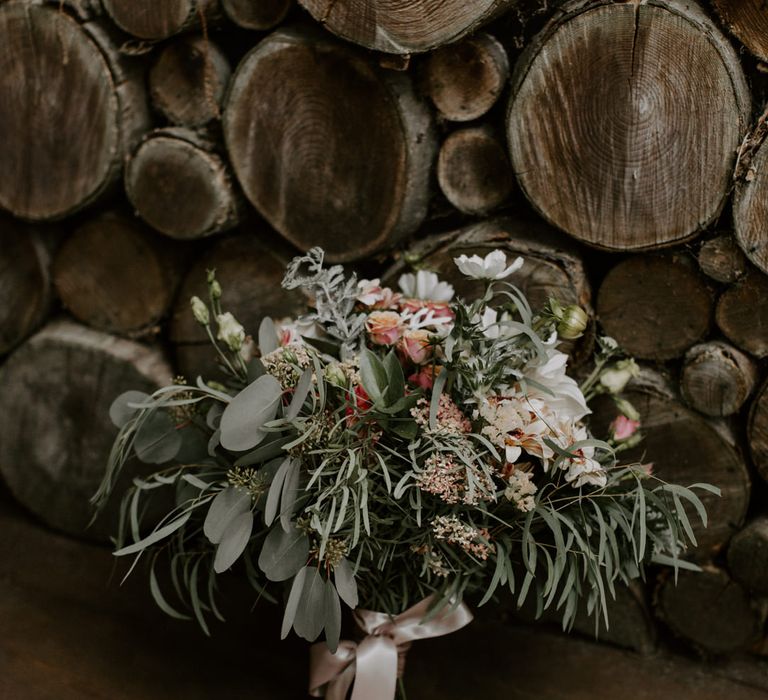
x: 621, y: 148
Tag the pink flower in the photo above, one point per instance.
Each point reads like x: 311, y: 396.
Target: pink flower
x: 424, y: 378
x: 440, y: 310
x: 371, y: 293
x: 416, y: 345
x: 624, y: 428
x: 384, y: 327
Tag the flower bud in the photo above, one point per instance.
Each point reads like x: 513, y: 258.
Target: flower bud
x: 573, y: 322
x: 616, y: 377
x: 215, y: 288
x: 626, y: 408
x: 334, y: 375
x: 230, y: 331
x: 200, y: 311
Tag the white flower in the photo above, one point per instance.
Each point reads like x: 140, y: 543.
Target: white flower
x: 425, y: 285
x: 492, y: 267
x: 493, y: 326
x: 369, y: 291
x: 617, y: 377
x: 290, y: 332
x: 550, y: 384
x: 585, y: 470
x: 230, y: 331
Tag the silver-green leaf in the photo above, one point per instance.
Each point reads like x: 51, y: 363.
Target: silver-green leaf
x: 246, y: 414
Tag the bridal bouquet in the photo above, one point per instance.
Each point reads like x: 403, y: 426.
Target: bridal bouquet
x: 395, y: 452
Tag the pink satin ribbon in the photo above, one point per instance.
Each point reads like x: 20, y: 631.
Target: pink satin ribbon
x: 372, y: 664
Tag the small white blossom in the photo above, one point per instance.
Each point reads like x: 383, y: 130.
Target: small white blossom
x: 425, y: 285
x: 585, y: 470
x: 230, y: 331
x: 616, y: 378
x: 492, y: 267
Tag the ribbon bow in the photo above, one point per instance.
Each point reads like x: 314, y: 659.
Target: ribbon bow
x: 373, y: 663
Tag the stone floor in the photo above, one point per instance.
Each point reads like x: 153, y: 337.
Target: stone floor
x: 69, y: 632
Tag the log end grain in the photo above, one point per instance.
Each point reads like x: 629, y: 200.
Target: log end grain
x: 259, y: 15
x: 757, y: 431
x: 721, y: 259
x: 152, y: 19
x: 748, y: 556
x: 742, y: 313
x: 748, y: 21
x: 750, y: 208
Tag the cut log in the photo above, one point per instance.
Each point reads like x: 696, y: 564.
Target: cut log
x: 553, y: 265
x: 721, y: 259
x: 710, y: 610
x: 465, y: 79
x: 188, y: 81
x: 24, y: 283
x: 717, y: 378
x: 655, y: 307
x: 55, y: 433
x: 750, y: 199
x: 742, y: 313
x: 610, y: 146
x: 71, y: 108
x: 331, y: 149
x: 404, y: 26
x: 249, y: 268
x: 757, y: 431
x: 474, y: 171
x: 686, y: 448
x: 159, y: 19
x: 748, y: 556
x: 748, y: 21
x: 115, y: 275
x: 260, y: 15
x: 180, y: 186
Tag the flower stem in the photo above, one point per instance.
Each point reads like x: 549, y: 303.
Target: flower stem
x: 401, y: 689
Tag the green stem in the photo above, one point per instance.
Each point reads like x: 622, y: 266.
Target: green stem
x: 401, y: 689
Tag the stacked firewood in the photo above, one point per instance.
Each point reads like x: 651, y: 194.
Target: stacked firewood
x: 616, y: 146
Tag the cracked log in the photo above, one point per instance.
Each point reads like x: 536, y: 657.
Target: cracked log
x: 601, y: 140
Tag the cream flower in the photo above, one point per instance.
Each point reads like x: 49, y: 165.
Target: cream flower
x: 384, y: 327
x: 492, y: 267
x: 425, y: 285
x: 616, y: 378
x: 230, y: 331
x: 553, y: 386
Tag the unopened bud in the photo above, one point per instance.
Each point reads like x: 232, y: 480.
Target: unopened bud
x: 334, y: 375
x: 230, y: 331
x: 616, y: 377
x: 626, y: 408
x: 200, y: 311
x: 573, y: 322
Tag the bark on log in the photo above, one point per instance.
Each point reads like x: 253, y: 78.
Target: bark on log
x: 686, y: 448
x: 717, y: 378
x: 404, y: 26
x: 250, y: 269
x: 332, y: 150
x: 115, y: 275
x: 748, y: 21
x: 553, y: 265
x: 260, y: 15
x: 159, y: 19
x: 757, y: 431
x: 188, y: 81
x: 55, y: 433
x: 742, y: 313
x: 721, y: 259
x: 465, y: 79
x: 473, y: 171
x: 748, y: 556
x: 180, y: 186
x: 601, y: 140
x: 655, y: 307
x: 71, y: 108
x: 24, y: 283
x: 710, y: 610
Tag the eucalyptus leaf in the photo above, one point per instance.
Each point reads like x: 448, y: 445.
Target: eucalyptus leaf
x: 283, y: 553
x: 294, y: 598
x: 311, y: 613
x: 121, y: 411
x: 213, y: 443
x: 160, y: 600
x: 213, y: 417
x: 245, y: 415
x: 255, y: 369
x: 275, y: 490
x: 268, y: 450
x: 395, y: 379
x: 233, y: 542
x: 345, y: 583
x: 157, y: 440
x: 159, y: 534
x: 268, y: 340
x: 228, y: 505
x: 373, y: 376
x: 289, y: 494
x: 194, y: 445
x: 332, y: 617
x: 299, y: 394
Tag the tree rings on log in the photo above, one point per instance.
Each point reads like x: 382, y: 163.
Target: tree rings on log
x: 465, y: 79
x: 180, y: 186
x: 710, y: 610
x: 742, y: 313
x: 250, y: 274
x: 717, y: 378
x: 750, y: 202
x: 55, y: 432
x: 686, y: 448
x: 188, y: 81
x: 721, y: 259
x: 404, y: 26
x: 116, y: 276
x: 158, y: 19
x: 24, y: 283
x: 610, y: 145
x: 655, y: 307
x: 331, y: 150
x: 70, y: 111
x: 748, y: 556
x: 260, y: 15
x: 757, y: 431
x: 747, y: 20
x: 473, y: 171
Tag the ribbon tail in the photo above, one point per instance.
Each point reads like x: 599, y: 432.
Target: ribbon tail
x: 331, y: 675
x: 376, y: 669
